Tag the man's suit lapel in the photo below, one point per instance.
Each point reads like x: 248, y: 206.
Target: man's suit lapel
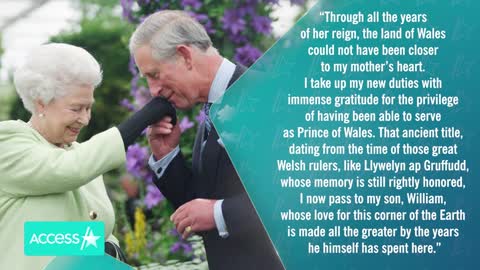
x: 206, y: 163
x: 197, y: 147
x: 209, y: 160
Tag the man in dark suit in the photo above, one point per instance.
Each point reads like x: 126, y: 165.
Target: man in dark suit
x: 176, y: 56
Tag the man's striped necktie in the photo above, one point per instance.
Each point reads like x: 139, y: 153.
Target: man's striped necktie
x: 208, y: 122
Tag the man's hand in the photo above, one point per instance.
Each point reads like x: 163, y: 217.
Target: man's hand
x: 163, y: 137
x: 194, y: 216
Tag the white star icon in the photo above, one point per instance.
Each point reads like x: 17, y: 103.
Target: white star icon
x: 89, y: 238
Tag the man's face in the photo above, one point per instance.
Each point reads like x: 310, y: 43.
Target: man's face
x: 167, y: 78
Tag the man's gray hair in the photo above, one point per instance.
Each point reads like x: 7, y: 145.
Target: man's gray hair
x: 166, y: 29
x: 51, y: 70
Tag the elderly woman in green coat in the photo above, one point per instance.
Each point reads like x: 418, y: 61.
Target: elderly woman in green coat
x: 44, y: 174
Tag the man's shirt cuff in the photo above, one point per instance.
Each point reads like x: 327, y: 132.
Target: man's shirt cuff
x: 159, y: 166
x: 219, y: 220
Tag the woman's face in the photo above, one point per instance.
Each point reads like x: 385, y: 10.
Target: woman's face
x: 64, y: 117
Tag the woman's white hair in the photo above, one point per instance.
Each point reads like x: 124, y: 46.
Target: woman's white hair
x: 51, y: 70
x: 166, y: 29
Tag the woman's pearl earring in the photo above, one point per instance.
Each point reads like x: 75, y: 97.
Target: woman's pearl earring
x: 41, y: 115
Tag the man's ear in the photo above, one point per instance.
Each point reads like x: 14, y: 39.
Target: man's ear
x: 185, y: 54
